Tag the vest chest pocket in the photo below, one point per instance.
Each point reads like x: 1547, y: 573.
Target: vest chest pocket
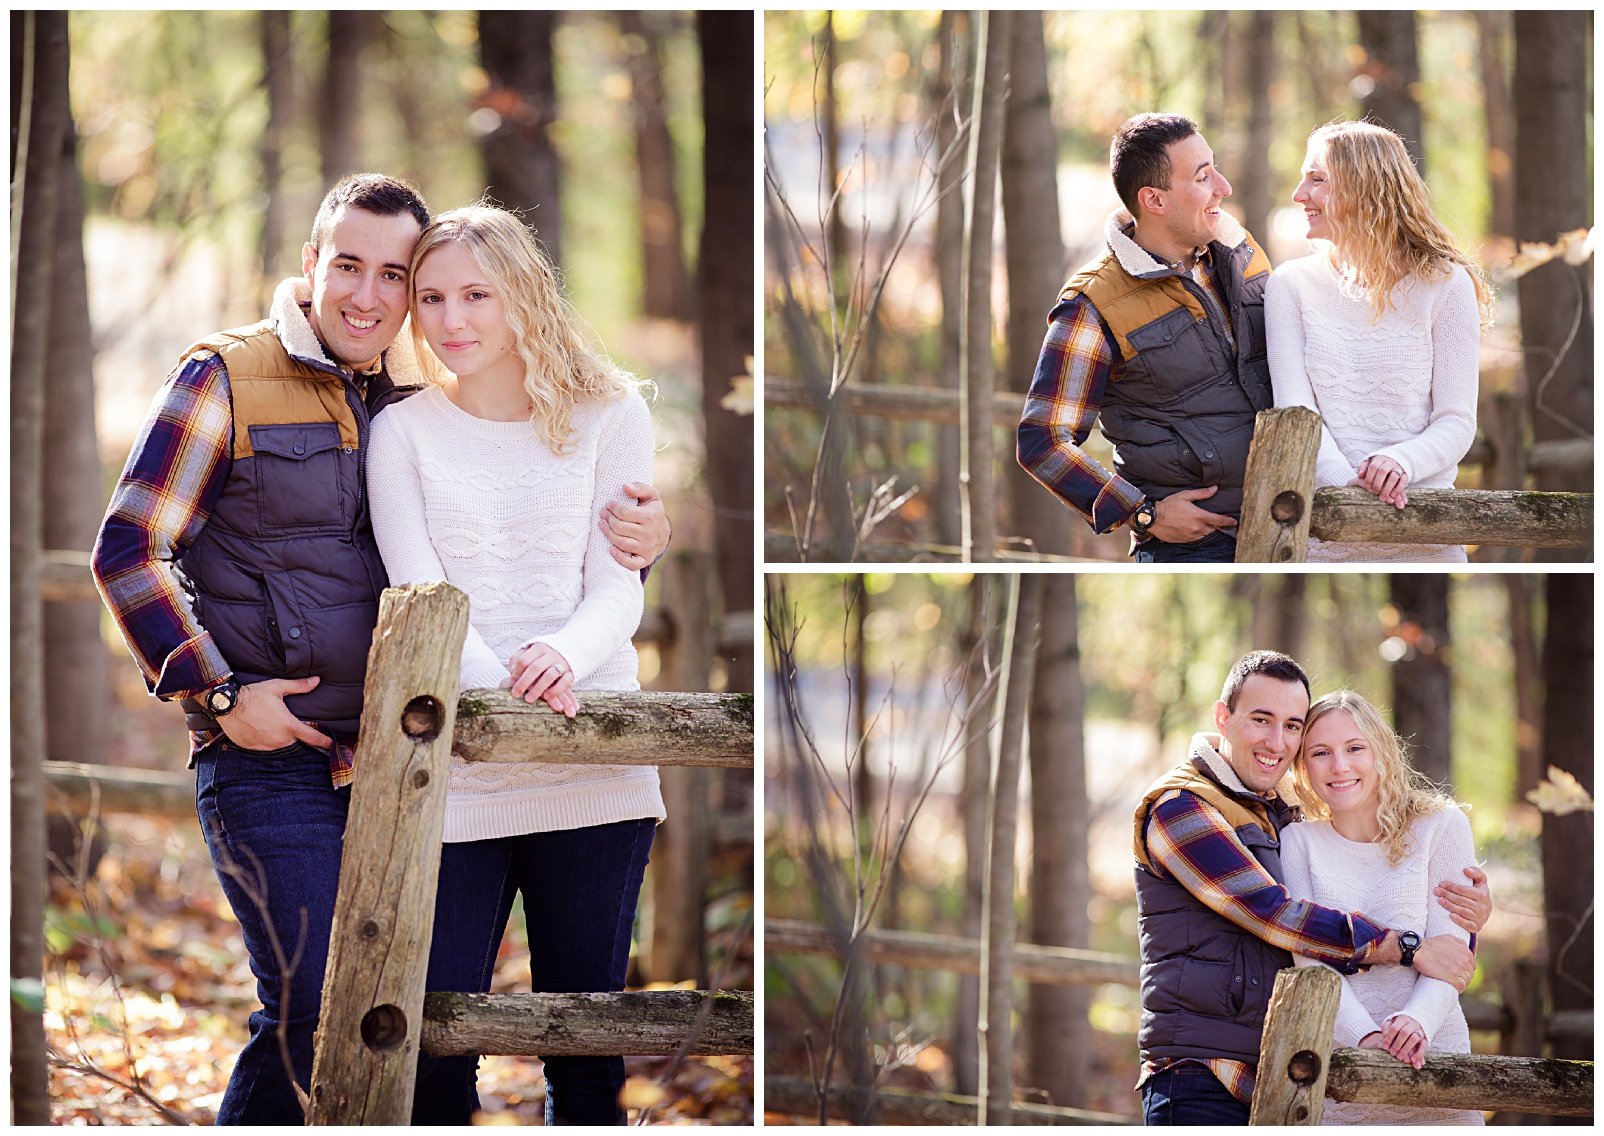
x: 1173, y: 357
x: 302, y: 475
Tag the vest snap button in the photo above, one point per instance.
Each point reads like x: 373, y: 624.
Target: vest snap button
x: 295, y: 633
x: 299, y: 449
x: 1239, y: 978
x: 1208, y: 454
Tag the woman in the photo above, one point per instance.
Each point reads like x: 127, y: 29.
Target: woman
x: 1378, y: 329
x: 489, y: 479
x: 1376, y: 836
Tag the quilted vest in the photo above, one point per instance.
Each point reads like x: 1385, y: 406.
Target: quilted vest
x: 1179, y: 406
x: 286, y: 575
x: 1205, y: 982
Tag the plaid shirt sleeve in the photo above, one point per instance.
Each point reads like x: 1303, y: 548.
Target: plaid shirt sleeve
x: 1072, y: 373
x: 174, y: 476
x: 1195, y: 844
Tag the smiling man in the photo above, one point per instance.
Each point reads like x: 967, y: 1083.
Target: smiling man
x: 238, y: 559
x: 1161, y: 338
x: 1214, y: 918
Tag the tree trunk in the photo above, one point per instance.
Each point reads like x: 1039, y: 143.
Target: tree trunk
x: 666, y: 289
x: 1391, y: 61
x: 1255, y: 189
x: 1035, y: 253
x: 339, y: 108
x: 1528, y: 666
x: 1213, y: 30
x: 835, y: 229
x: 978, y: 466
x: 1568, y: 840
x: 948, y: 101
x: 1421, y: 689
x: 1278, y: 613
x: 1060, y: 1039
x: 521, y: 169
x: 1552, y: 196
x: 40, y: 53
x: 1492, y: 33
x: 972, y: 804
x: 724, y: 283
x: 277, y: 76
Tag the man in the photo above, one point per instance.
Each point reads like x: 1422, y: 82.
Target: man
x: 1162, y: 338
x: 239, y: 561
x: 1215, y: 922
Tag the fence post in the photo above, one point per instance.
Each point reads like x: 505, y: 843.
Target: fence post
x: 1295, y: 1055
x: 1278, y: 487
x: 372, y: 1013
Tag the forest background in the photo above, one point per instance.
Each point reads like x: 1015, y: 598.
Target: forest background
x: 168, y: 167
x: 1488, y: 678
x: 871, y: 314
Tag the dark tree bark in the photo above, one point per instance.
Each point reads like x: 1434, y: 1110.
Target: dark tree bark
x: 1492, y: 33
x: 340, y: 99
x: 724, y: 281
x: 949, y: 103
x: 666, y: 290
x: 1035, y: 252
x: 1553, y: 194
x: 1523, y: 640
x: 41, y: 124
x: 1568, y: 840
x: 1213, y: 34
x: 274, y: 29
x: 521, y: 168
x: 1279, y: 613
x: 1254, y: 192
x: 1392, y: 62
x: 1421, y: 691
x: 1059, y: 1032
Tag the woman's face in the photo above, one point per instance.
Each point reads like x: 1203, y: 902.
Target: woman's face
x: 461, y: 314
x: 1313, y: 193
x: 1340, y: 765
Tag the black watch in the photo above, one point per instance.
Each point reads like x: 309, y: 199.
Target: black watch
x: 222, y: 698
x: 1408, y: 944
x: 1146, y: 513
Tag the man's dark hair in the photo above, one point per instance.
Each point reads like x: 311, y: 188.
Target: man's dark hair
x: 1271, y: 664
x: 376, y: 193
x: 1140, y: 155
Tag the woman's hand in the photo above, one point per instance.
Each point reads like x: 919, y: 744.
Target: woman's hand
x: 1371, y: 1040
x: 540, y: 672
x: 1405, y: 1039
x: 1469, y: 905
x: 1385, y: 478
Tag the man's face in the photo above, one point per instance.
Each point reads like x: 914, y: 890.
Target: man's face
x: 1260, y: 737
x: 359, y: 283
x: 1191, y: 205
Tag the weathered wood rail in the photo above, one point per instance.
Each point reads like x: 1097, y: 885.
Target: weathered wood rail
x: 1299, y: 1069
x: 781, y: 548
x: 1281, y: 508
x: 645, y: 1023
x: 795, y: 1096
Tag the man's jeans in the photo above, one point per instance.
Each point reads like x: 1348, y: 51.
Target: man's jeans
x: 579, y: 891
x: 1219, y: 547
x: 274, y: 824
x: 1189, y: 1093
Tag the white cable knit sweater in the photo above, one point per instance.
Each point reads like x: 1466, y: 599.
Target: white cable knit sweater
x: 488, y: 507
x: 1333, y: 871
x: 1403, y: 387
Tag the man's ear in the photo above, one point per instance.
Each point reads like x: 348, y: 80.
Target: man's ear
x: 308, y: 260
x: 1221, y: 713
x: 1151, y: 198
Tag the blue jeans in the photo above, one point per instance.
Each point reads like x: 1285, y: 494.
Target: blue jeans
x: 1189, y: 1093
x: 1219, y: 547
x: 274, y: 823
x: 579, y: 891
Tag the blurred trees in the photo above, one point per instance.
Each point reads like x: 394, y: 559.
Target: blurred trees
x: 521, y: 167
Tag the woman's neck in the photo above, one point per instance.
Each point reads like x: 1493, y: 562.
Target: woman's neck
x: 494, y: 397
x: 1363, y: 827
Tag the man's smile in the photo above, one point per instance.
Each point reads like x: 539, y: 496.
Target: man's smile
x: 358, y: 324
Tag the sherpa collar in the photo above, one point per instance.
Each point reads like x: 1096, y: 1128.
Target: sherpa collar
x: 290, y: 300
x: 1120, y: 231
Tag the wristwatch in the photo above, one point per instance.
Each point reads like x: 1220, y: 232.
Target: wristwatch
x: 1408, y: 944
x: 222, y: 698
x: 1146, y: 513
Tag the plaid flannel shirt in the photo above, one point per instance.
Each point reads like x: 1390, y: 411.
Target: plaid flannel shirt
x: 174, y: 476
x: 1196, y: 845
x: 1077, y: 361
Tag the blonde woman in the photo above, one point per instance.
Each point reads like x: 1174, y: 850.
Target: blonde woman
x: 1378, y: 329
x: 490, y: 479
x: 1375, y: 837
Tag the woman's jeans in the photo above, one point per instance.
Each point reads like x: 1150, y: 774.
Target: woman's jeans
x: 274, y: 824
x: 579, y: 891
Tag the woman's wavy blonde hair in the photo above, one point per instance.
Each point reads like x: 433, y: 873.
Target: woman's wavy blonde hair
x: 1403, y: 792
x: 561, y: 370
x: 1381, y: 218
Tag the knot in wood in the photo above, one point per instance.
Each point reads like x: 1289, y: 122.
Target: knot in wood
x: 1304, y: 1068
x: 370, y: 929
x: 420, y: 778
x: 384, y: 1028
x: 1287, y: 508
x: 421, y: 719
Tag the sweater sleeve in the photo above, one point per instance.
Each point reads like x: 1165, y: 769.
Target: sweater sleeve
x: 1353, y: 1020
x: 401, y: 525
x: 1452, y: 850
x: 1455, y: 380
x: 1283, y: 320
x: 610, y: 608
